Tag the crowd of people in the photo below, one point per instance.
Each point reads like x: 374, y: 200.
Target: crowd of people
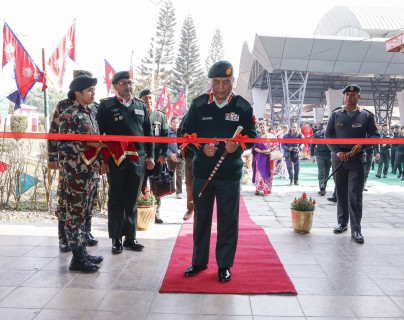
x: 216, y: 114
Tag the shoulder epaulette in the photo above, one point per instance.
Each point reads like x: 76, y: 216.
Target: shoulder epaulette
x: 336, y: 109
x: 137, y: 99
x: 369, y: 112
x: 201, y: 99
x: 241, y: 102
x: 162, y: 111
x: 108, y: 102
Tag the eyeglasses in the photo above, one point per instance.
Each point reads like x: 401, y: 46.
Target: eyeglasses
x: 125, y: 83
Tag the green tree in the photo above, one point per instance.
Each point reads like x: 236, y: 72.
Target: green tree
x: 216, y: 53
x: 187, y: 63
x: 164, y: 47
x: 35, y: 98
x: 18, y: 123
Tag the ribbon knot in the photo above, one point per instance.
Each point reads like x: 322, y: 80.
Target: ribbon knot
x: 191, y: 140
x: 242, y: 144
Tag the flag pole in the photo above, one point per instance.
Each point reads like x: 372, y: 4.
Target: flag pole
x: 45, y: 94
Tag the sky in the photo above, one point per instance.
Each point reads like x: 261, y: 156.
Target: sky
x: 113, y: 29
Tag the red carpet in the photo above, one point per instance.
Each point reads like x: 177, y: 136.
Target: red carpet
x: 257, y: 268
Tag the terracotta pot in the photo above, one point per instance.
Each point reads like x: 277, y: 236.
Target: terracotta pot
x: 145, y: 216
x: 302, y: 221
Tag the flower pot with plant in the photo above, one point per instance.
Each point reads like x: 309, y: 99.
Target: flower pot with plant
x: 302, y: 213
x: 146, y: 209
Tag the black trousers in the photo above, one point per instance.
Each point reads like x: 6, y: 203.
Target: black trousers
x: 384, y: 161
x: 125, y: 182
x: 227, y: 195
x: 349, y: 182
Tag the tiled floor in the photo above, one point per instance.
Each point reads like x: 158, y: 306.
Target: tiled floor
x: 335, y: 277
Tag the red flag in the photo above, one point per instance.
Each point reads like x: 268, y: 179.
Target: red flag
x: 168, y: 109
x: 162, y: 100
x: 43, y: 79
x: 179, y: 106
x: 109, y: 74
x: 25, y: 69
x: 66, y: 47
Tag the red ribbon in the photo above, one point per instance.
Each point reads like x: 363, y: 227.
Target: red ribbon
x: 190, y: 137
x: 242, y: 144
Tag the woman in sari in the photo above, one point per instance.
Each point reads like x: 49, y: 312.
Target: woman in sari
x: 263, y: 168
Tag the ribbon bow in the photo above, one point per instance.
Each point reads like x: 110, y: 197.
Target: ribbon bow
x: 190, y: 137
x: 242, y: 144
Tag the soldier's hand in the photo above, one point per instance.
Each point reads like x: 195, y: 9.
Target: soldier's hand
x: 173, y: 157
x: 53, y: 165
x: 356, y: 149
x: 377, y: 156
x: 209, y: 150
x: 162, y: 159
x: 104, y: 168
x: 150, y: 164
x: 342, y: 156
x: 313, y: 159
x: 231, y: 146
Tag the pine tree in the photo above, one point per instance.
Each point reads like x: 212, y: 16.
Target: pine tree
x: 187, y: 63
x: 164, y: 47
x: 216, y: 53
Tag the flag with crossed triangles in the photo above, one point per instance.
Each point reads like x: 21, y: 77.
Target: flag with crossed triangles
x: 109, y: 74
x: 161, y: 104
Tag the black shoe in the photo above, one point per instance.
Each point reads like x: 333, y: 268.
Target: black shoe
x: 296, y: 183
x: 399, y: 175
x: 357, y: 236
x: 322, y: 192
x: 332, y: 199
x: 378, y: 176
x: 90, y: 240
x: 188, y: 215
x: 117, y: 246
x: 393, y: 172
x: 158, y: 220
x: 80, y: 263
x: 63, y: 243
x: 385, y: 176
x: 132, y: 244
x: 365, y: 189
x: 194, y: 270
x: 291, y: 181
x: 224, y: 274
x: 93, y: 259
x: 340, y: 228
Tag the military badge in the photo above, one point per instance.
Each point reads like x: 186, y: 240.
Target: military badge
x: 228, y: 71
x: 232, y: 116
x: 254, y: 119
x: 120, y: 118
x: 67, y: 115
x: 357, y: 125
x: 340, y: 124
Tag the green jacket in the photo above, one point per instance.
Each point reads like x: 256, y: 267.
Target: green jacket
x: 159, y: 128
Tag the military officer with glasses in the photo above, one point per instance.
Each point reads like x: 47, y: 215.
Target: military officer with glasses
x: 127, y: 116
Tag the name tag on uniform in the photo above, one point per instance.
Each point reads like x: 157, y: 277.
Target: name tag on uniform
x: 357, y: 125
x: 232, y: 116
x: 340, y: 124
x: 207, y: 118
x: 139, y: 112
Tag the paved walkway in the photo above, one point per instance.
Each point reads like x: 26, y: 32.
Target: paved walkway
x: 335, y: 277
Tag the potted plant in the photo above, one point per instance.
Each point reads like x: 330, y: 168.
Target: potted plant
x: 146, y: 209
x: 302, y: 213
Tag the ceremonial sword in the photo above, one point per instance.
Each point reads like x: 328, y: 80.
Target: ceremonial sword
x: 350, y: 154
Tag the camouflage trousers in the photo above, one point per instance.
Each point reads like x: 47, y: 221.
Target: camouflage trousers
x: 81, y: 201
x: 61, y: 192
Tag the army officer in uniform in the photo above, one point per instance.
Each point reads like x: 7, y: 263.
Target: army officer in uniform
x: 217, y: 114
x: 350, y: 121
x: 124, y: 115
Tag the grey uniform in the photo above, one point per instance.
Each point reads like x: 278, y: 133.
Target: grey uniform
x: 350, y: 177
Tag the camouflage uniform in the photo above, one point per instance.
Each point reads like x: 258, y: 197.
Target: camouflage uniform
x: 81, y: 179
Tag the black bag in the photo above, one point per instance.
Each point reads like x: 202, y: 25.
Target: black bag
x: 162, y: 183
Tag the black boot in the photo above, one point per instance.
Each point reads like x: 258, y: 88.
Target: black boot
x: 90, y: 240
x: 92, y: 259
x: 63, y: 244
x: 80, y: 263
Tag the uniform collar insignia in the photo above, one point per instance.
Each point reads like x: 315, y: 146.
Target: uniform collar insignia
x: 210, y: 98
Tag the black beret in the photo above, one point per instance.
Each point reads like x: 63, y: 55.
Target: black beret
x: 120, y: 76
x: 220, y: 69
x: 77, y: 73
x: 352, y: 88
x: 144, y: 92
x: 82, y: 82
x: 396, y: 126
x: 384, y: 125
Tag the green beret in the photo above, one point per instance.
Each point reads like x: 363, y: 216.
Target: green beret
x: 82, y: 82
x: 77, y: 73
x: 396, y: 126
x: 144, y: 92
x: 220, y: 69
x: 120, y: 76
x: 352, y: 88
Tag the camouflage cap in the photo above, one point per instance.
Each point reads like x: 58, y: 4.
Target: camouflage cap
x: 77, y: 73
x: 220, y: 69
